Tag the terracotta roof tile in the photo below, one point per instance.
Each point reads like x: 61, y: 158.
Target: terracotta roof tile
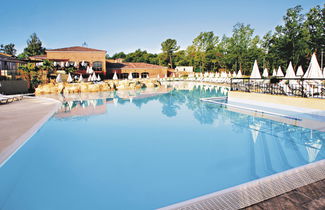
x: 133, y: 66
x: 76, y: 48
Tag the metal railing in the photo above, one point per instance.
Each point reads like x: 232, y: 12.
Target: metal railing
x: 301, y: 87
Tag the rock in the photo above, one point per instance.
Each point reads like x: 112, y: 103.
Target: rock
x: 67, y: 88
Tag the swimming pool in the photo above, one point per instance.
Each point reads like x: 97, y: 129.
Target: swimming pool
x: 148, y: 149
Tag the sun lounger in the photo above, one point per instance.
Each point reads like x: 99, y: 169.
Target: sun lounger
x: 5, y: 100
x: 14, y: 97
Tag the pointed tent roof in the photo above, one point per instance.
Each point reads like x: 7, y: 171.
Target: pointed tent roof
x: 313, y: 70
x: 265, y: 73
x: 234, y: 74
x: 81, y: 78
x: 58, y: 78
x: 279, y: 73
x: 69, y: 78
x: 324, y: 72
x: 274, y: 73
x: 130, y: 76
x: 239, y: 74
x: 290, y: 73
x: 115, y: 76
x: 300, y: 72
x: 256, y: 72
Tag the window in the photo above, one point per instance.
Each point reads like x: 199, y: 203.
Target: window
x: 97, y: 66
x: 144, y: 74
x: 135, y: 75
x: 123, y: 76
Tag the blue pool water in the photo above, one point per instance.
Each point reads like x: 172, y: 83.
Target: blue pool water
x: 146, y: 150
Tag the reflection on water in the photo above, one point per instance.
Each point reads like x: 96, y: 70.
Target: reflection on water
x: 147, y: 149
x: 173, y: 96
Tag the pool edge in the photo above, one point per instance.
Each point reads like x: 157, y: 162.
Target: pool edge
x: 256, y: 191
x: 31, y: 131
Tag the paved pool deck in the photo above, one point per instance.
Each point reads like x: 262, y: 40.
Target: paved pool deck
x: 310, y: 196
x: 19, y: 120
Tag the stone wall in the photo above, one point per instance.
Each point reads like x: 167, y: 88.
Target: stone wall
x: 13, y: 86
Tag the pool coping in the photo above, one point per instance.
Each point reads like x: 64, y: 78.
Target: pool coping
x: 256, y: 191
x: 33, y: 129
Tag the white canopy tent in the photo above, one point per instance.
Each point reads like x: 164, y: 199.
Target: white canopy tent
x: 130, y: 76
x: 274, y: 73
x: 265, y: 73
x: 115, y: 76
x: 234, y: 74
x: 313, y: 70
x: 290, y: 73
x: 69, y: 78
x: 98, y: 78
x: 279, y: 73
x: 91, y: 70
x: 239, y: 74
x: 94, y: 77
x: 58, y: 78
x: 81, y: 79
x: 300, y: 72
x: 256, y: 72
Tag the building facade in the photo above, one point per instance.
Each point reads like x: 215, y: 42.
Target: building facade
x: 138, y: 70
x: 82, y: 57
x: 9, y: 66
x: 188, y: 69
x: 79, y: 57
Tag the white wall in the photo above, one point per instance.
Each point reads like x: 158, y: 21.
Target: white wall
x: 184, y: 69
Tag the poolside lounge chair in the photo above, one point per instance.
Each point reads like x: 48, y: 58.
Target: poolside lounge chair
x: 5, y: 100
x: 14, y: 97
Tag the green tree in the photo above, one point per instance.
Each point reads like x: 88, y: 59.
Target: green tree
x: 315, y: 24
x: 242, y: 48
x: 34, y: 46
x: 47, y: 67
x: 8, y: 49
x: 119, y: 55
x: 30, y: 74
x: 169, y: 47
x: 203, y: 48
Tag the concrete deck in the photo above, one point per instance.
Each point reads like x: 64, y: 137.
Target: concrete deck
x: 311, y: 196
x: 20, y: 120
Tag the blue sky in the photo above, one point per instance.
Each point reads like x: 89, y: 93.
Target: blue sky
x: 131, y: 24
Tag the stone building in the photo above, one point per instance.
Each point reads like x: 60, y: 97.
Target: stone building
x: 138, y: 70
x: 80, y: 57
